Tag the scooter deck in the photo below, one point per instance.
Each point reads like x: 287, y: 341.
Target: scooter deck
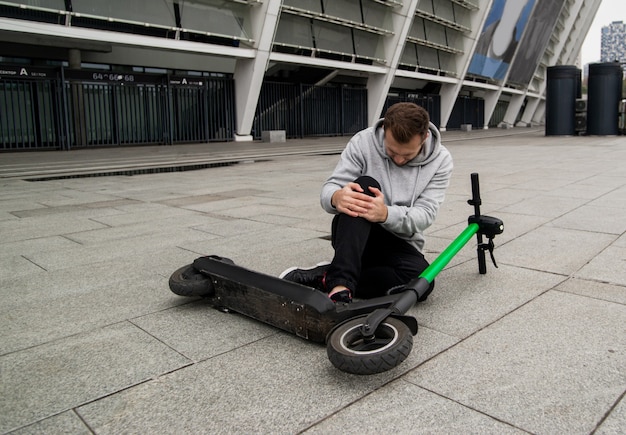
x: 297, y: 309
x: 292, y: 307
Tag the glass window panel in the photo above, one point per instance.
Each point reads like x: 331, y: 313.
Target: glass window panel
x: 58, y: 5
x: 455, y: 39
x: 308, y: 5
x: 294, y: 30
x: 143, y: 11
x: 376, y: 15
x: 345, y: 9
x: 447, y: 61
x: 417, y: 29
x: 443, y: 9
x: 409, y: 56
x: 367, y: 44
x: 216, y: 16
x: 435, y: 33
x: 426, y: 6
x: 332, y: 37
x: 427, y: 57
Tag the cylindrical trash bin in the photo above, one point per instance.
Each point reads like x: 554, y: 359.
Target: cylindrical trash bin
x: 562, y: 88
x: 604, y: 91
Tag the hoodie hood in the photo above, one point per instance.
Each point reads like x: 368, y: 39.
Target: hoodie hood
x: 429, y: 150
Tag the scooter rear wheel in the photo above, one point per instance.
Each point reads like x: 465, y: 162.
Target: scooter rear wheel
x: 187, y: 281
x: 350, y: 352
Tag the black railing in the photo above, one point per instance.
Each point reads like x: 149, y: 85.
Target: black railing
x: 62, y: 109
x: 307, y: 110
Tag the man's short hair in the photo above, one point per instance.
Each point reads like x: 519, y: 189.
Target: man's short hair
x: 405, y: 120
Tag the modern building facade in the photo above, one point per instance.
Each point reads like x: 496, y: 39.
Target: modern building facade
x: 613, y: 43
x: 227, y: 69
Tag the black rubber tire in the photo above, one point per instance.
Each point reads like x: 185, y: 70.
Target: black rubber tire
x: 348, y: 351
x: 187, y: 281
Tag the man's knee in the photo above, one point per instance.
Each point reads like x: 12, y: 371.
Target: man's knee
x: 365, y: 181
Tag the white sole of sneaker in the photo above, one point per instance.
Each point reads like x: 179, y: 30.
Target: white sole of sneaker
x: 291, y: 269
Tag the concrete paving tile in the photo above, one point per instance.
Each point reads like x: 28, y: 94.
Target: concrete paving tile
x: 604, y: 181
x: 581, y: 189
x: 554, y: 250
x: 615, y: 199
x: 77, y: 197
x: 464, y: 301
x: 229, y: 226
x: 6, y: 216
x: 621, y: 241
x: 145, y: 212
x: 594, y: 289
x: 541, y: 182
x: 608, y: 266
x: 544, y: 205
x: 65, y: 423
x: 199, y: 331
x: 553, y: 366
x: 262, y: 243
x: 615, y: 421
x: 158, y: 227
x: 594, y: 219
x: 288, y: 385
x: 249, y: 211
x: 404, y: 408
x: 130, y: 247
x: 9, y: 204
x: 44, y: 226
x: 505, y: 196
x: 14, y: 266
x: 40, y: 308
x: 75, y: 210
x: 320, y: 223
x: 275, y: 219
x: 454, y: 213
x: 49, y: 379
x: 227, y: 206
x: 301, y: 254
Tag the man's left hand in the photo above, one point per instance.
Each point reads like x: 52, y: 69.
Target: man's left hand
x: 377, y: 211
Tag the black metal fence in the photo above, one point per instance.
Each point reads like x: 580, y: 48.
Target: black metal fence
x: 467, y: 110
x: 62, y: 109
x: 307, y: 110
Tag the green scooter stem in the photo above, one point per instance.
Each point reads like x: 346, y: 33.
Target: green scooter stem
x: 444, y: 258
x: 421, y: 284
x: 453, y: 248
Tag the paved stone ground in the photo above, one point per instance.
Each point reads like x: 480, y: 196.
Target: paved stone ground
x: 93, y: 341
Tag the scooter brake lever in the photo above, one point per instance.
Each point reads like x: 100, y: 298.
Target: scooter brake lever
x: 489, y: 246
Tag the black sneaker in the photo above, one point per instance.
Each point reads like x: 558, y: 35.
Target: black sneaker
x: 310, y: 277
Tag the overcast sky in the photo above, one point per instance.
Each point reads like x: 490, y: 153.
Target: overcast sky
x: 609, y: 11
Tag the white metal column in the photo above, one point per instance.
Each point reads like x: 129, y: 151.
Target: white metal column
x: 378, y: 84
x: 249, y: 73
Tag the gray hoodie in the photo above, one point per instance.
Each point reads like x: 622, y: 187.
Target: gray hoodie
x: 413, y: 192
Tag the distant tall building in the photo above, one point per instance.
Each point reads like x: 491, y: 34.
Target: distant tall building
x: 613, y: 46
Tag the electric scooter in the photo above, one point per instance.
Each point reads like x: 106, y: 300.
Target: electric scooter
x: 363, y: 337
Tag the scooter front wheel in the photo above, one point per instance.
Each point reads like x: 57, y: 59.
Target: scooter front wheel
x: 351, y: 352
x: 187, y: 281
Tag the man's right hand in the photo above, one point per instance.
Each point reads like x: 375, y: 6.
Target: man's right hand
x: 351, y: 200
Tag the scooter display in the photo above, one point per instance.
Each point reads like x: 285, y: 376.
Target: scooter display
x: 363, y: 337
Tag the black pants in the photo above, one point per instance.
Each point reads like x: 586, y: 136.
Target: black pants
x: 369, y: 260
